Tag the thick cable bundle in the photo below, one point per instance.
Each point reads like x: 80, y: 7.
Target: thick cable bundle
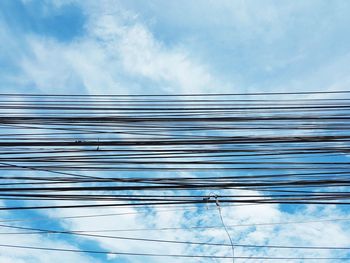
x: 290, y: 146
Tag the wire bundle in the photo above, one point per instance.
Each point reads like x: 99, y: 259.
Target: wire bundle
x: 183, y: 151
x: 291, y: 146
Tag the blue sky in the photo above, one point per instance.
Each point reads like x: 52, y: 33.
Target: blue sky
x: 166, y: 47
x: 222, y: 45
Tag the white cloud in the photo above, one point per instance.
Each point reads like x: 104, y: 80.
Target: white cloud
x: 117, y: 54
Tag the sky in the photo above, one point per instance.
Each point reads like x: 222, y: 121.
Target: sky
x: 175, y: 47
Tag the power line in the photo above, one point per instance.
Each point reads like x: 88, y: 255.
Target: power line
x: 232, y: 245
x: 167, y: 255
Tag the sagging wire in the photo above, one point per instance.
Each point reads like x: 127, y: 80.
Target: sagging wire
x: 216, y: 198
